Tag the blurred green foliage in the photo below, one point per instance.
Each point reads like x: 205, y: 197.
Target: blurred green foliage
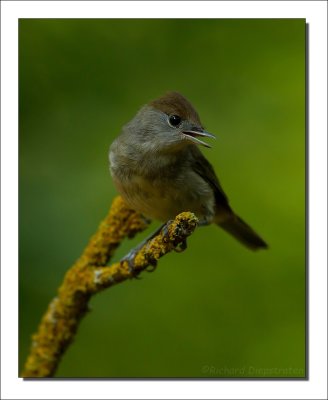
x: 216, y: 310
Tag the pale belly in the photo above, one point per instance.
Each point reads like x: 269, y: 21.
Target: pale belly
x: 163, y: 200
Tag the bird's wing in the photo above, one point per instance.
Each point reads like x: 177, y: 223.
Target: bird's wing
x: 204, y: 169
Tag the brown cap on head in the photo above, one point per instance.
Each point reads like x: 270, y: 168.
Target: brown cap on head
x: 173, y: 103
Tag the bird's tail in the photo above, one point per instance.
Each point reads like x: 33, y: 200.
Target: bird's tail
x: 243, y: 232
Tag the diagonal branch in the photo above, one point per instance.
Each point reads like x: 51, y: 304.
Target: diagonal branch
x: 89, y: 275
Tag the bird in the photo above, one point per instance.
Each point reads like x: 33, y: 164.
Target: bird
x: 158, y: 168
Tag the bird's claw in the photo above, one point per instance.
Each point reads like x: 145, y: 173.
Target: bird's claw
x: 181, y: 247
x: 129, y: 259
x: 165, y: 232
x: 152, y: 264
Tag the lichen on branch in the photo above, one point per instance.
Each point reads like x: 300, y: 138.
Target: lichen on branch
x: 89, y: 275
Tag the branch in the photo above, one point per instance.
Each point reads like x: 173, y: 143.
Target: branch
x: 90, y: 275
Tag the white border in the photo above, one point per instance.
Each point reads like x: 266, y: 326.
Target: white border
x: 315, y: 13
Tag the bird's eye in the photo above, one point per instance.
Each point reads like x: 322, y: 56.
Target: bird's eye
x: 174, y: 120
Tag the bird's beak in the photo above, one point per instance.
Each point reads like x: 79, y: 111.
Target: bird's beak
x: 191, y: 135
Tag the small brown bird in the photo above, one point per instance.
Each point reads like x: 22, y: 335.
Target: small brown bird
x: 159, y: 170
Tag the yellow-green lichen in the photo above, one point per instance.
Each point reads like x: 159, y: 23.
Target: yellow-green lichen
x: 89, y: 275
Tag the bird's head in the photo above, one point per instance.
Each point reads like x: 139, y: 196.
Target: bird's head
x: 167, y: 124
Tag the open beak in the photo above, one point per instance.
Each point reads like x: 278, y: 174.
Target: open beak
x: 194, y: 133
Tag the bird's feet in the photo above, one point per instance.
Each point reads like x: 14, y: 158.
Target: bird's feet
x: 182, y: 246
x: 129, y: 259
x: 165, y: 232
x: 151, y: 260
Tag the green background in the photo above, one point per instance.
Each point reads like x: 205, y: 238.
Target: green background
x: 218, y: 309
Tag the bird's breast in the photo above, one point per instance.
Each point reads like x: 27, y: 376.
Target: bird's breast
x: 163, y: 194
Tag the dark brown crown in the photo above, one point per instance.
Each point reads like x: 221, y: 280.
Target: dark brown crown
x: 173, y: 103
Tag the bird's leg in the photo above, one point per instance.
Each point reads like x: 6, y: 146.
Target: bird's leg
x: 129, y: 258
x: 182, y: 245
